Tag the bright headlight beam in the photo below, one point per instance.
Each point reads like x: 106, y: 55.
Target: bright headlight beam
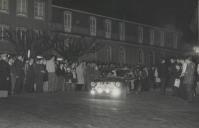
x: 92, y: 92
x: 116, y: 92
x: 107, y: 91
x: 99, y: 90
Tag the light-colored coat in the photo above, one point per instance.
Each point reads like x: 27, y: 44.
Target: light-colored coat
x: 189, y: 75
x: 80, y: 74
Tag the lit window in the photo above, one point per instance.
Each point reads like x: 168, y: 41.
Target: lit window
x: 21, y: 33
x: 67, y: 21
x: 152, y: 37
x: 122, y: 30
x: 4, y: 6
x: 109, y: 54
x: 39, y: 9
x: 4, y: 31
x: 122, y: 55
x: 162, y: 40
x: 93, y: 26
x: 22, y: 7
x: 140, y: 31
x: 108, y: 29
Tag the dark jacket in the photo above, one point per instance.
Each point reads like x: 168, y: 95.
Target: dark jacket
x: 4, y: 75
x: 19, y: 68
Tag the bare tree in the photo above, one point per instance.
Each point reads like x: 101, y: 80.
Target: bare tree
x: 73, y: 47
x: 68, y: 46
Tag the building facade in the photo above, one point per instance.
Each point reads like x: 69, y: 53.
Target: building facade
x: 125, y: 42
x: 23, y: 15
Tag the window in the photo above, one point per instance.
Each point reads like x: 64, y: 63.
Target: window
x: 4, y: 31
x: 151, y: 58
x: 152, y: 37
x: 4, y: 6
x: 37, y: 33
x: 122, y: 55
x: 140, y: 33
x: 175, y: 42
x: 140, y: 56
x: 108, y: 54
x: 22, y: 7
x: 93, y: 26
x: 162, y: 41
x: 122, y: 30
x: 21, y: 33
x: 39, y: 9
x: 67, y: 21
x: 108, y: 29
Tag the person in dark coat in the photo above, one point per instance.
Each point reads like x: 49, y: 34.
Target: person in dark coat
x: 60, y: 72
x: 172, y: 72
x: 12, y: 74
x: 151, y: 77
x: 189, y: 79
x: 39, y: 75
x: 177, y: 76
x: 5, y: 83
x: 163, y: 74
x: 19, y: 67
x: 29, y: 81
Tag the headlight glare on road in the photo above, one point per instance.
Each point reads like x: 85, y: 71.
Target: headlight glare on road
x: 107, y: 91
x: 117, y: 84
x: 93, y: 84
x: 92, y: 92
x: 99, y: 90
x: 116, y: 92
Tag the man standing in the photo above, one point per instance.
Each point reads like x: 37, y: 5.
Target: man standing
x: 163, y: 74
x: 172, y: 72
x: 39, y: 73
x: 30, y: 76
x: 5, y: 83
x: 189, y: 78
x: 50, y: 67
x: 80, y: 70
x: 19, y: 67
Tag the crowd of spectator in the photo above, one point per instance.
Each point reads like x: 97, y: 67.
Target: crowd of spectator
x: 56, y: 74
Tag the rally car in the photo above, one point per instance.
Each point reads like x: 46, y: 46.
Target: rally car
x: 113, y: 87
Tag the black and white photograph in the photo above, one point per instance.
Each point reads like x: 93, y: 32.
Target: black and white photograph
x: 99, y: 63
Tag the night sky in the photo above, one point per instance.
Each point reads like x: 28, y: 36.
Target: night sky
x: 178, y: 13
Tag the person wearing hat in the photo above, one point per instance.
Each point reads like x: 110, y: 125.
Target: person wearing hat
x: 5, y: 83
x: 30, y: 76
x: 189, y: 79
x: 163, y: 75
x: 19, y: 70
x: 39, y: 74
x: 50, y: 67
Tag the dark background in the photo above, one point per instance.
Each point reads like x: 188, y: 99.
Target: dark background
x: 176, y: 14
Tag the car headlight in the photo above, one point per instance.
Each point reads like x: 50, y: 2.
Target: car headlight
x: 99, y: 90
x: 93, y: 84
x: 116, y: 92
x: 92, y: 92
x: 117, y: 84
x: 107, y: 91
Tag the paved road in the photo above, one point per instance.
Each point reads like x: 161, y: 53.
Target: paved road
x: 78, y: 110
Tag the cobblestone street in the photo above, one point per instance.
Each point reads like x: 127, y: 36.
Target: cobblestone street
x: 78, y: 110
